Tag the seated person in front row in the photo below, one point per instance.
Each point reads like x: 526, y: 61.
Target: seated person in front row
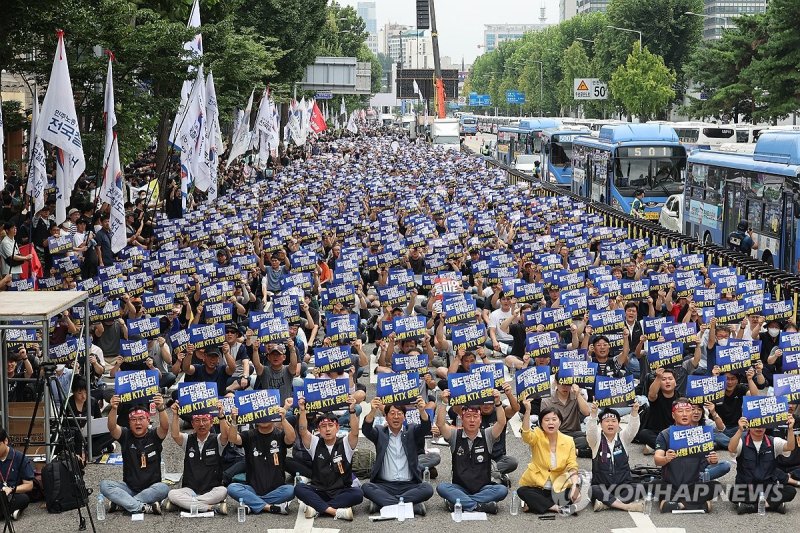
x: 202, y: 464
x: 17, y: 472
x: 331, y: 490
x: 141, y: 489
x: 395, y: 473
x: 265, y: 488
x: 471, y: 449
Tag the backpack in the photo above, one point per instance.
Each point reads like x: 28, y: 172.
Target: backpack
x: 362, y: 463
x: 61, y: 491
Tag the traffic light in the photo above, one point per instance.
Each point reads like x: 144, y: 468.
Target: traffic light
x: 423, y: 15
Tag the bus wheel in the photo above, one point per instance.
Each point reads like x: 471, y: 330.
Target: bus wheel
x: 767, y: 258
x: 707, y: 240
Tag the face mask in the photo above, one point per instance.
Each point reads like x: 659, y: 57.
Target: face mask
x: 722, y: 342
x: 773, y: 332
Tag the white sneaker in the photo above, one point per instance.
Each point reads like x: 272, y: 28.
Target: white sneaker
x: 599, y: 506
x: 345, y: 513
x: 310, y: 513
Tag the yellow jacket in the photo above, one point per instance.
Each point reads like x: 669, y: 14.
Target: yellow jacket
x: 538, y: 471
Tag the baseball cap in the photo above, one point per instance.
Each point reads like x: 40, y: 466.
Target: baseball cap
x: 280, y: 348
x: 213, y: 350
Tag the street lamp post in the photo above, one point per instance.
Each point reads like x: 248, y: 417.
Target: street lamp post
x: 541, y: 85
x: 704, y: 16
x: 584, y: 40
x: 629, y: 31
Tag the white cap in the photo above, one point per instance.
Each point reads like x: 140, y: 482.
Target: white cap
x: 60, y: 368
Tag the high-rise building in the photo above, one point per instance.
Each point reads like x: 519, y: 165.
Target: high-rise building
x: 719, y: 14
x: 368, y: 12
x: 390, y: 40
x: 590, y: 6
x: 567, y: 9
x: 494, y: 34
x: 414, y: 48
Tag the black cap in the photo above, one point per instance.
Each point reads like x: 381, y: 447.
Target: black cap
x: 213, y: 350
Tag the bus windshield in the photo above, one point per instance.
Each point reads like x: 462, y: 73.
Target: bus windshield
x: 561, y: 153
x: 657, y: 176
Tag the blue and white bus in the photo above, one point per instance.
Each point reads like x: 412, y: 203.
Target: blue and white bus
x: 626, y: 157
x: 723, y: 188
x: 557, y: 153
x: 468, y: 124
x: 524, y: 138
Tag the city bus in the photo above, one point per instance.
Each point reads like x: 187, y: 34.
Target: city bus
x: 723, y: 188
x: 626, y: 157
x: 524, y: 138
x: 557, y: 153
x: 468, y: 124
x: 695, y: 135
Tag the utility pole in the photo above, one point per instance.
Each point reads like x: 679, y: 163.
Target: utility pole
x: 437, y: 66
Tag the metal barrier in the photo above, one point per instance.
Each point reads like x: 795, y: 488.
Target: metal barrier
x: 781, y: 284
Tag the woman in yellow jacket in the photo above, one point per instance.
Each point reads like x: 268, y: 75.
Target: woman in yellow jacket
x: 551, y: 482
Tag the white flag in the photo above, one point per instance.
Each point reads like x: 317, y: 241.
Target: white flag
x: 2, y: 140
x: 116, y: 199
x: 192, y: 136
x: 295, y: 124
x: 110, y: 117
x: 416, y: 90
x: 37, y: 173
x: 343, y: 109
x: 241, y: 137
x: 214, y: 136
x: 351, y: 123
x: 194, y: 49
x: 58, y: 125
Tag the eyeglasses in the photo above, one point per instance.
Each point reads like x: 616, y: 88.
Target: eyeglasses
x: 138, y: 418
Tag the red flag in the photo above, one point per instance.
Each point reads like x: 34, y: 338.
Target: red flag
x: 318, y: 124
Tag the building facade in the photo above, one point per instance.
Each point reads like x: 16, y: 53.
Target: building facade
x: 369, y: 12
x: 590, y: 6
x: 567, y: 9
x: 494, y: 34
x: 719, y: 14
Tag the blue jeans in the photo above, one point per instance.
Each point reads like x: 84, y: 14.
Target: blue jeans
x: 633, y: 366
x: 488, y: 493
x: 256, y: 503
x: 722, y: 438
x: 718, y: 470
x: 118, y: 492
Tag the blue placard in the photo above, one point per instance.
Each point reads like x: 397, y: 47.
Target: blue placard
x: 604, y: 322
x: 258, y: 406
x: 729, y: 312
x: 532, y: 382
x: 498, y: 371
x: 765, y: 411
x: 333, y: 358
x: 471, y: 388
x: 691, y: 440
x: 458, y: 308
x: 541, y: 344
x: 218, y: 312
x: 614, y: 392
x: 207, y: 335
x: 341, y: 328
x: 136, y: 386
x: 782, y: 310
x: 159, y: 303
x: 133, y: 351
x: 787, y: 385
x: 64, y: 353
x: 199, y: 397
x: 325, y: 394
x: 401, y: 387
x: 680, y: 332
x: 734, y: 357
x: 572, y: 371
x: 468, y: 336
x: 664, y: 354
x: 410, y: 363
x: 409, y: 327
x: 273, y: 330
x: 702, y: 389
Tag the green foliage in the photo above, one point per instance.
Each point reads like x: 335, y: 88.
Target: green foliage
x: 643, y: 85
x: 13, y: 116
x: 575, y: 65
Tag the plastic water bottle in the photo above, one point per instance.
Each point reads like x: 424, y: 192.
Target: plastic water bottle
x: 457, y: 510
x: 241, y: 512
x: 514, y: 503
x: 426, y: 475
x: 193, y: 507
x: 401, y: 516
x: 297, y: 479
x: 705, y: 476
x: 101, y: 507
x: 163, y: 470
x: 648, y: 501
x: 762, y: 504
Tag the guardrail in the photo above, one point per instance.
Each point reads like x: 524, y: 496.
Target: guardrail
x: 781, y: 284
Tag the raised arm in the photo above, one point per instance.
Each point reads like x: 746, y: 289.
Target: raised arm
x: 175, y: 427
x: 113, y: 427
x: 444, y: 428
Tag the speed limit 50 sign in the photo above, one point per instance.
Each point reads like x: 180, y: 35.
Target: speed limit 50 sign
x: 589, y: 89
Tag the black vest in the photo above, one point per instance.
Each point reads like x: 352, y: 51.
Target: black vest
x: 611, y: 468
x: 472, y: 468
x: 757, y: 466
x: 331, y: 470
x: 265, y: 460
x: 202, y: 470
x: 136, y: 453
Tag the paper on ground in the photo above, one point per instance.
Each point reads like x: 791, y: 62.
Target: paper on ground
x: 206, y: 514
x: 467, y: 516
x: 393, y: 511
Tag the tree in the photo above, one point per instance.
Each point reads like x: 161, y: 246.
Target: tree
x: 717, y: 67
x: 575, y: 64
x: 774, y: 73
x: 643, y: 85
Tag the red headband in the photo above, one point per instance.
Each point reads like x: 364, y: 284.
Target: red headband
x: 137, y: 411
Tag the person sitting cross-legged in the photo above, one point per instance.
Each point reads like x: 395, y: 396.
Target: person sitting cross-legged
x: 395, y: 473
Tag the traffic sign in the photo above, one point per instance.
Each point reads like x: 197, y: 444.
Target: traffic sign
x: 589, y: 89
x: 479, y: 100
x: 323, y: 95
x: 462, y: 100
x: 515, y: 97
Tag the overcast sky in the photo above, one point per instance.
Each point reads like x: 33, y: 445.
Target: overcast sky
x: 460, y: 22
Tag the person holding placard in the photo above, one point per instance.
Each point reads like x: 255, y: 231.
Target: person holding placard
x: 265, y: 488
x: 551, y: 482
x: 681, y: 471
x: 610, y: 466
x: 210, y: 369
x: 202, y: 464
x: 396, y: 472
x: 570, y: 402
x: 331, y: 490
x: 730, y: 408
x: 471, y: 449
x: 757, y: 469
x: 141, y: 489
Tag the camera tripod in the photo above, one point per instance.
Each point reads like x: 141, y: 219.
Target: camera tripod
x: 58, y: 438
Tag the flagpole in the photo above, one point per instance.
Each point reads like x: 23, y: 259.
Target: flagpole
x: 101, y: 171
